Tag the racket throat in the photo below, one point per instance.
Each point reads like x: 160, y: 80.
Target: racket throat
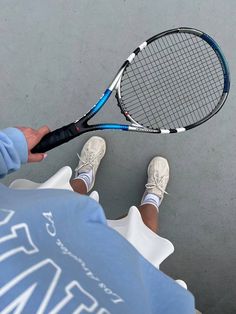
x: 103, y: 126
x: 98, y: 105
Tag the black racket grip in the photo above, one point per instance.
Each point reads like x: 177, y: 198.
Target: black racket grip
x: 56, y: 138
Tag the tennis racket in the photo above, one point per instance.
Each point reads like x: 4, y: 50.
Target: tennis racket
x: 171, y: 83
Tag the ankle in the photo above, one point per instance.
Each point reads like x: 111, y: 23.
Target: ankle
x: 87, y: 178
x: 151, y: 199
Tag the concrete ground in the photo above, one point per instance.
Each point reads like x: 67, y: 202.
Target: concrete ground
x: 57, y: 57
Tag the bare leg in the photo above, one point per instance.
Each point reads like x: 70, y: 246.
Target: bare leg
x: 150, y: 215
x: 78, y: 186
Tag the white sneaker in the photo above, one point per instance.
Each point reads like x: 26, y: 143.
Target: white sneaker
x: 91, y: 155
x: 158, y: 177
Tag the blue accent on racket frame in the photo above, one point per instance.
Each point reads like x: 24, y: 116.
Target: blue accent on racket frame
x: 115, y: 126
x: 101, y: 101
x: 224, y: 63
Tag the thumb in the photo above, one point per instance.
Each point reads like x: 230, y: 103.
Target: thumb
x: 36, y: 157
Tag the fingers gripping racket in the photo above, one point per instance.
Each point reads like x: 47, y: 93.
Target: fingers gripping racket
x: 171, y: 83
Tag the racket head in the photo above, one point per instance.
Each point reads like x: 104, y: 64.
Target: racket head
x: 174, y: 81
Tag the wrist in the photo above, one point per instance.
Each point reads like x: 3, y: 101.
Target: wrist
x: 19, y: 141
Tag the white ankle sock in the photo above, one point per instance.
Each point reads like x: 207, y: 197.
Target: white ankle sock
x: 152, y: 199
x: 86, y: 177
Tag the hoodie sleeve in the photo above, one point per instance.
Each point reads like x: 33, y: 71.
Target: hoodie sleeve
x: 13, y: 150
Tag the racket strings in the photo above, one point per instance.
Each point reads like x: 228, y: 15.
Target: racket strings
x: 179, y: 94
x: 152, y: 71
x: 192, y: 79
x: 187, y: 79
x: 167, y: 60
x: 174, y: 82
x: 132, y: 98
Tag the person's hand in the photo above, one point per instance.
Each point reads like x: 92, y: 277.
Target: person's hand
x: 33, y: 137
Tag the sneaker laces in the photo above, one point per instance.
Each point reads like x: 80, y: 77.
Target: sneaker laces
x: 154, y: 184
x: 88, y: 162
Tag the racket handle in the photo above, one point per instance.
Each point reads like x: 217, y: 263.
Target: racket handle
x: 56, y: 138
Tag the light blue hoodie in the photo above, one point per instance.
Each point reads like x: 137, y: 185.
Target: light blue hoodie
x: 13, y: 150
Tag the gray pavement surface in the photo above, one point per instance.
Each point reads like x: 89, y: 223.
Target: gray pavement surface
x: 57, y: 57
